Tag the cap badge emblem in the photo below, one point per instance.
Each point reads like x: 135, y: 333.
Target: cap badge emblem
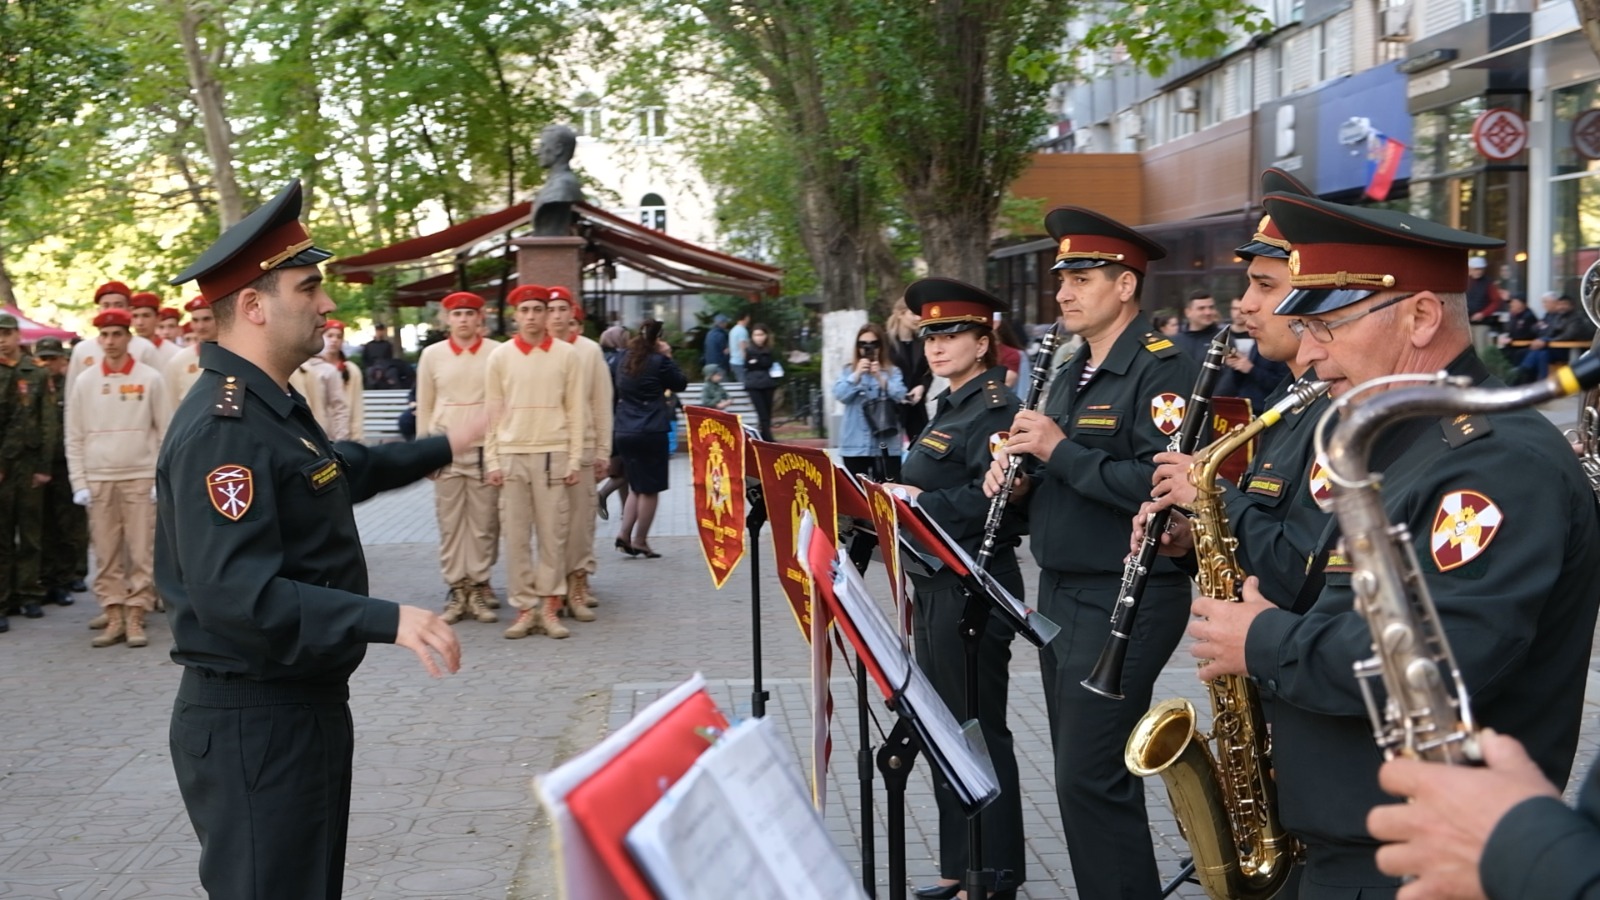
x: 1261, y: 226
x: 1066, y: 246
x: 1294, y: 262
x: 934, y: 311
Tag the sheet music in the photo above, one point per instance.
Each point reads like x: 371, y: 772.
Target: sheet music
x: 970, y: 772
x: 740, y: 824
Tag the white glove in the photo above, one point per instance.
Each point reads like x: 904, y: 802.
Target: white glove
x: 152, y: 493
x: 81, y: 497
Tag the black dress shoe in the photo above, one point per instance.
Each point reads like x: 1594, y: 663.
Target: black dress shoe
x: 937, y: 891
x: 32, y: 610
x: 646, y: 552
x: 78, y: 587
x: 60, y: 596
x: 627, y: 548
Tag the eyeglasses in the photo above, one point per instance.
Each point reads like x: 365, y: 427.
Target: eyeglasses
x: 1323, y: 331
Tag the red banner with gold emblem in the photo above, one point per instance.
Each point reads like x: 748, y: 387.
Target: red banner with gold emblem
x: 886, y: 523
x: 716, y: 455
x: 794, y: 480
x: 1226, y: 413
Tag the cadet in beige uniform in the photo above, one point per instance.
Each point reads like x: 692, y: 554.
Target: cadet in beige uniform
x: 183, y: 370
x: 349, y: 377
x: 145, y: 309
x: 535, y: 396
x: 85, y: 354
x: 566, y: 317
x: 116, y: 419
x: 324, y: 390
x: 451, y: 378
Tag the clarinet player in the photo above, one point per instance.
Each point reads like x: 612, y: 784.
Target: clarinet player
x: 1112, y: 407
x: 944, y: 470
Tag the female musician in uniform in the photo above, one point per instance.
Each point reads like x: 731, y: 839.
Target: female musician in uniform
x: 944, y: 469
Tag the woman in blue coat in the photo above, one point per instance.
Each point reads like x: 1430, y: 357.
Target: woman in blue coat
x: 871, y: 378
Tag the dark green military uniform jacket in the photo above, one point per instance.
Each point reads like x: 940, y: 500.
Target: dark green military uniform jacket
x: 1543, y: 850
x: 949, y: 459
x: 24, y: 431
x: 257, y: 555
x: 1507, y: 537
x: 1082, y: 502
x: 1273, y: 512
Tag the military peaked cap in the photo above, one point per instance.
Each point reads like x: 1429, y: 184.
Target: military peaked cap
x: 269, y: 238
x: 947, y: 306
x: 1086, y: 239
x: 1268, y: 240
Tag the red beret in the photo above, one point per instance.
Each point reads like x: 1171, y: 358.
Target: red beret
x: 167, y: 312
x: 199, y: 302
x: 144, y: 300
x: 463, y: 300
x: 112, y: 317
x: 335, y: 323
x: 523, y: 293
x: 186, y: 329
x: 557, y: 292
x: 112, y: 287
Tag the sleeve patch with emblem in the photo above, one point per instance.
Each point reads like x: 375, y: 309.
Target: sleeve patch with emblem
x: 231, y: 489
x: 1321, y: 486
x: 997, y: 443
x: 1463, y: 526
x: 1166, y: 410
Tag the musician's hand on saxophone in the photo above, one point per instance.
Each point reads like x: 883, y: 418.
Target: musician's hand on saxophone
x: 1034, y: 433
x: 1438, y: 837
x: 1170, y: 483
x: 1176, y: 540
x: 1220, y: 627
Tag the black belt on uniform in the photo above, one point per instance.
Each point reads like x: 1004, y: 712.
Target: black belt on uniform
x: 232, y: 692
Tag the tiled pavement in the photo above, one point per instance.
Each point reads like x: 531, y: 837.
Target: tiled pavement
x: 442, y: 806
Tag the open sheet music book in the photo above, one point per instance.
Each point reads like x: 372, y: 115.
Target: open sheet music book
x: 957, y: 750
x: 740, y: 823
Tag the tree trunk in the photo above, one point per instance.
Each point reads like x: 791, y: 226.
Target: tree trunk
x: 1589, y: 21
x: 7, y: 295
x: 213, y: 112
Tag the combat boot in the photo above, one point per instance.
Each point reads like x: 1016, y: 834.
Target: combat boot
x: 477, y: 607
x: 116, y: 627
x: 133, y: 624
x: 98, y: 622
x: 480, y: 593
x: 527, y: 623
x: 455, y: 606
x: 578, y: 596
x: 549, y: 610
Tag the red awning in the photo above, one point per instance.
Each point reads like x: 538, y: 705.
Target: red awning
x: 610, y: 238
x: 457, y: 238
x: 31, y: 331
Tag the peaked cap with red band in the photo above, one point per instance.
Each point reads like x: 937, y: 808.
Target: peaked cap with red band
x: 110, y: 317
x: 523, y: 293
x: 144, y: 300
x: 1086, y: 239
x: 947, y: 306
x: 112, y: 287
x: 1268, y: 240
x: 1343, y: 254
x: 462, y: 300
x: 269, y: 238
x: 197, y: 303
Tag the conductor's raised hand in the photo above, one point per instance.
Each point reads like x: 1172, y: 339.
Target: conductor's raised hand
x: 427, y: 635
x: 1170, y: 484
x: 1035, y: 433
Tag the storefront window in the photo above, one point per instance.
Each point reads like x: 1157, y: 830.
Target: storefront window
x: 1452, y: 184
x: 1575, y: 189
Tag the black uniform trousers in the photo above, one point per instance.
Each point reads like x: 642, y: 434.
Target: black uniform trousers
x: 21, y: 521
x: 278, y: 831
x: 1102, y: 803
x: 941, y: 653
x: 64, y: 557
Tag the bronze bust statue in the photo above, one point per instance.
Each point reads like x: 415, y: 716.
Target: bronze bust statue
x: 552, y: 206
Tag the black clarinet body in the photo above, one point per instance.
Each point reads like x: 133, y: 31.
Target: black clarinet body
x: 1038, y: 378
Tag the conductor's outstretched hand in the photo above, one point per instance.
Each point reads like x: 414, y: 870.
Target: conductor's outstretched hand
x: 427, y: 635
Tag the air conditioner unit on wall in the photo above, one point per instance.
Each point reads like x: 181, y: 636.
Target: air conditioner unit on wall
x: 1132, y: 125
x: 1397, y: 22
x: 1187, y: 99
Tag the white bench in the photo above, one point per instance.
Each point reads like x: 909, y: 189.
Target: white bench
x: 381, y: 414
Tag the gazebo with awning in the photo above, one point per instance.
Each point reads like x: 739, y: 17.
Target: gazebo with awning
x: 32, y: 330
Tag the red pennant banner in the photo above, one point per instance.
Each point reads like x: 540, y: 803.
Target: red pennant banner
x: 794, y: 480
x: 1227, y: 412
x: 886, y: 523
x: 716, y: 455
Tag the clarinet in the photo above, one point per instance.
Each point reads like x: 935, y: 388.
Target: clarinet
x: 1106, y: 677
x: 1038, y: 378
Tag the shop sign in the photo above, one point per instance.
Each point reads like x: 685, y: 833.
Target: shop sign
x: 1500, y: 134
x: 1586, y: 134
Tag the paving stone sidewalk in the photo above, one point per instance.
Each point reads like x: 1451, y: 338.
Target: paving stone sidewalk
x: 442, y: 802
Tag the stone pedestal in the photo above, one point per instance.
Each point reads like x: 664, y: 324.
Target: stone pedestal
x: 551, y: 261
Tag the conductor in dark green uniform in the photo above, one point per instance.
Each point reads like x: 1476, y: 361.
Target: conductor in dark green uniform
x: 1507, y: 540
x: 1114, y: 404
x: 944, y: 469
x: 259, y: 562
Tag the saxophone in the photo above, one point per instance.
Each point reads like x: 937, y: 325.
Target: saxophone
x: 1225, y: 802
x: 1426, y: 713
x: 1587, y: 434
